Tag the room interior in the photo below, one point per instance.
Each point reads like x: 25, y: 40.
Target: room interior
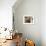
x: 23, y: 23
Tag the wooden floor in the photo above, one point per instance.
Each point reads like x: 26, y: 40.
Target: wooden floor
x: 9, y: 43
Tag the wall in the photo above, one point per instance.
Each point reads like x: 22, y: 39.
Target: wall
x: 43, y: 22
x: 6, y: 13
x: 29, y: 7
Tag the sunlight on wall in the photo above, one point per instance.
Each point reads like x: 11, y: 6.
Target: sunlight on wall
x: 6, y: 18
x: 6, y: 13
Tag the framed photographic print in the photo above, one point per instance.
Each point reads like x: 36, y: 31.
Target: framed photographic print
x: 28, y: 19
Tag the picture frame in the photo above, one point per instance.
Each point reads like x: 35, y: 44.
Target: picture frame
x: 28, y: 19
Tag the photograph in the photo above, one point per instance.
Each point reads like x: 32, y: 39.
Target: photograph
x: 28, y: 19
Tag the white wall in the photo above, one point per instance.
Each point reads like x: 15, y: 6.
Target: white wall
x: 6, y: 13
x: 29, y: 7
x: 43, y: 22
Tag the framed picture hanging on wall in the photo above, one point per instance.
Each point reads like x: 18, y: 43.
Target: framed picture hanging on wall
x: 28, y: 19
